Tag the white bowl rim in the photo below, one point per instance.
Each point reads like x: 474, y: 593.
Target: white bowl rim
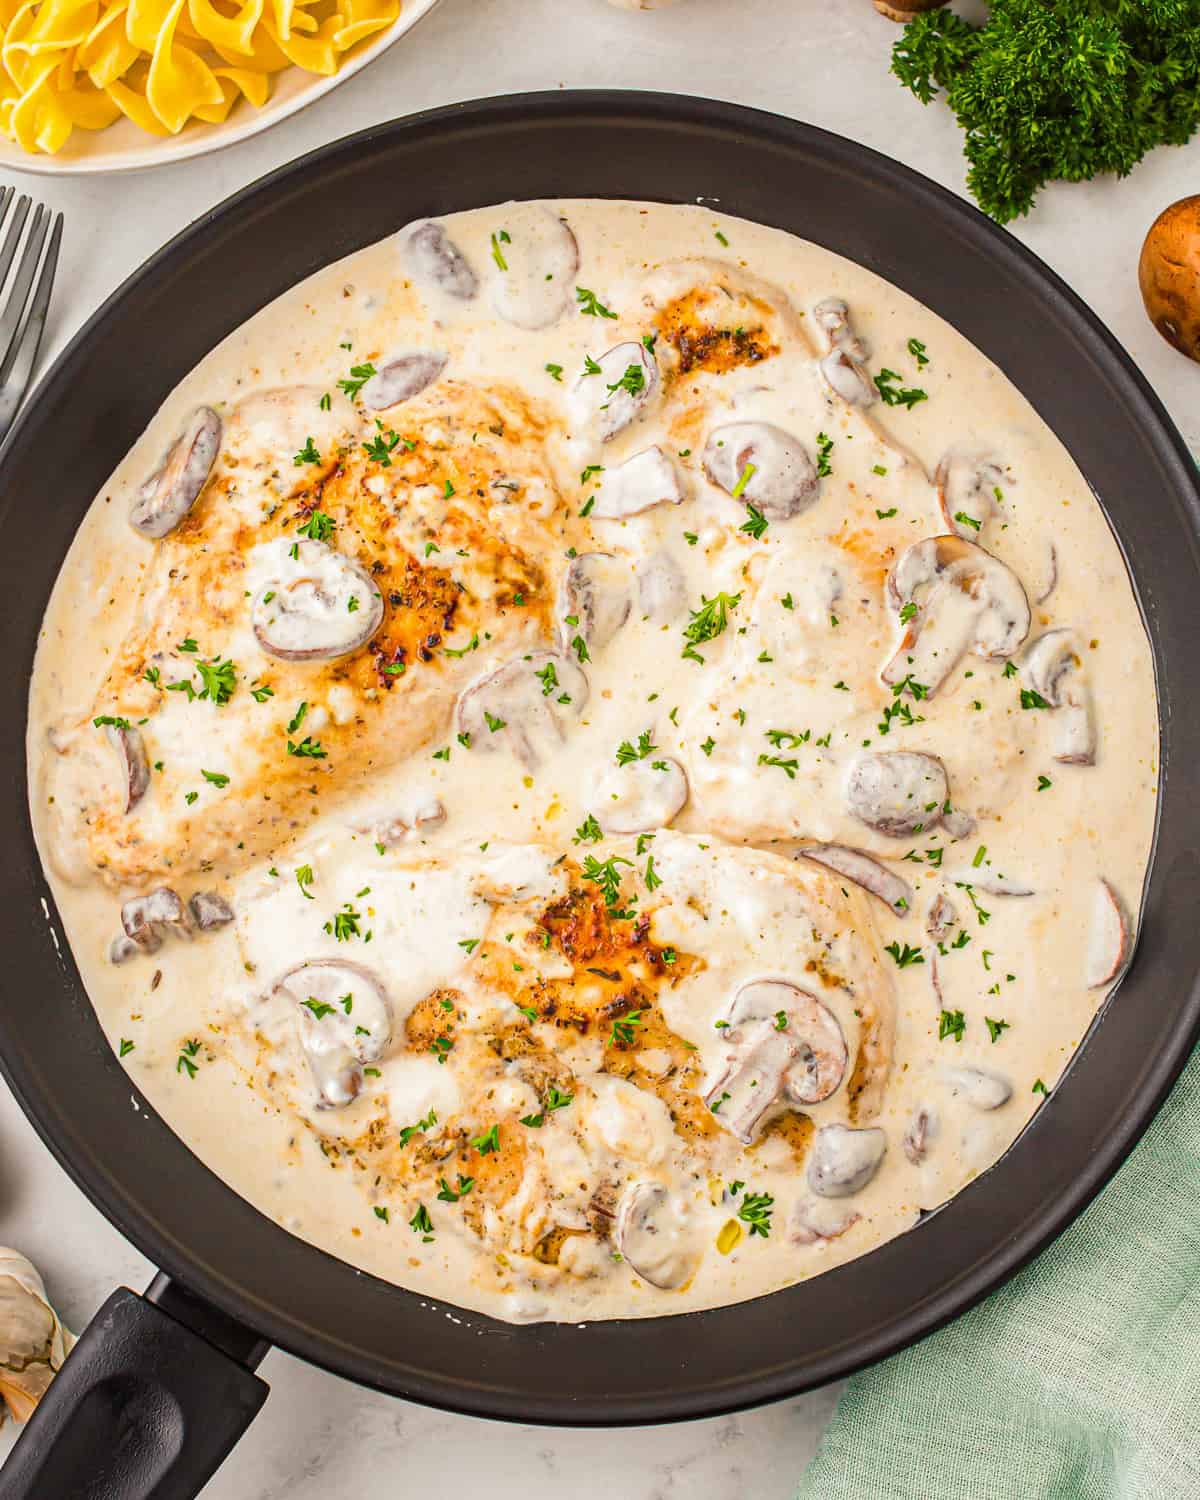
x: 198, y: 139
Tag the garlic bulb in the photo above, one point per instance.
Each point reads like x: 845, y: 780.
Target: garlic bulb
x: 33, y: 1341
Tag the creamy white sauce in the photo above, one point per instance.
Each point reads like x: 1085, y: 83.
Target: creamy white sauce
x: 445, y: 860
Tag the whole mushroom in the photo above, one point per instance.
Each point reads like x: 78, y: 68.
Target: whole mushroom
x: 1169, y: 275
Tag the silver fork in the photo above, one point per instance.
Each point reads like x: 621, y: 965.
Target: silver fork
x: 23, y: 317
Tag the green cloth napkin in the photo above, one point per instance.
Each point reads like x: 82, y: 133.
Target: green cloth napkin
x: 1078, y: 1380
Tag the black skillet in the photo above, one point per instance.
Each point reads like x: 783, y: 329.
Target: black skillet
x: 160, y: 1386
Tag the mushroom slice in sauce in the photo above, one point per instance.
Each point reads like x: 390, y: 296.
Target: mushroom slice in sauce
x: 521, y: 705
x: 605, y: 400
x: 319, y: 606
x: 402, y: 377
x: 762, y: 465
x: 436, y: 261
x: 145, y: 918
x: 652, y: 1235
x: 593, y: 600
x: 210, y: 909
x: 408, y: 814
x: 535, y: 257
x: 640, y: 796
x: 981, y: 1090
x: 921, y: 1130
x: 865, y: 871
x: 345, y: 1021
x: 133, y: 761
x: 785, y: 1047
x: 843, y: 1160
x: 897, y: 792
x: 941, y: 917
x: 1053, y: 668
x: 812, y: 1221
x: 968, y: 481
x: 640, y: 483
x: 661, y: 587
x: 1109, y: 939
x: 965, y: 600
x: 980, y: 878
x: 175, y: 486
x: 842, y: 368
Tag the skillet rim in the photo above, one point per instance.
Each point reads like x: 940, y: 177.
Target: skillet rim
x: 285, y: 1326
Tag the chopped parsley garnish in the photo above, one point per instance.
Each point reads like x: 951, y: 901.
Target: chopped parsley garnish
x: 917, y: 349
x: 381, y: 447
x: 623, y: 1030
x: 1030, y: 699
x: 318, y: 527
x: 588, y: 832
x: 498, y: 239
x: 756, y: 1210
x: 904, y: 956
x: 126, y: 1047
x: 185, y: 1062
x: 111, y: 721
x: 217, y: 778
x: 743, y: 480
x: 607, y: 876
x: 626, y: 752
x: 633, y: 381
x: 590, y: 306
x: 790, y: 766
x: 951, y: 1023
x: 555, y: 372
x: 354, y: 382
x: 755, y: 524
x: 447, y: 1194
x: 307, y: 749
x: 308, y: 454
x: 708, y: 621
x: 892, y: 394
x: 995, y: 1028
x: 965, y: 520
x: 1043, y: 783
x: 344, y: 925
x: 318, y: 1007
x: 824, y: 450
x: 487, y: 1143
x: 421, y: 1223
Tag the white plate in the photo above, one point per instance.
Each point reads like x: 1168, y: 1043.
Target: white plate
x: 125, y: 148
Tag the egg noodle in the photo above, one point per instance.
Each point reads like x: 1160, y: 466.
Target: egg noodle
x: 85, y: 63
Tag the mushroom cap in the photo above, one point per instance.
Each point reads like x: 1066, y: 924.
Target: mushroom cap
x: 436, y: 261
x: 640, y: 483
x: 881, y: 882
x: 165, y: 499
x: 606, y: 400
x: 1054, y: 668
x: 519, y: 704
x: 967, y: 479
x: 896, y: 792
x: 594, y: 593
x: 641, y: 795
x: 843, y: 1160
x: 345, y: 1020
x: 400, y: 377
x: 651, y: 1234
x: 304, y: 612
x: 1169, y: 275
x: 541, y: 257
x: 766, y: 466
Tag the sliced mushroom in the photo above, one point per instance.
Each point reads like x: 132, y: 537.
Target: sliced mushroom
x: 1053, y: 667
x: 762, y: 465
x: 785, y: 1048
x: 921, y: 1130
x: 402, y: 377
x: 941, y: 917
x: 606, y: 399
x: 123, y: 948
x: 640, y: 483
x: 965, y: 600
x: 843, y: 1160
x: 522, y: 704
x: 865, y: 871
x: 897, y: 792
x: 1050, y: 577
x: 345, y: 1021
x: 661, y: 588
x: 982, y: 878
x: 968, y: 481
x: 843, y: 368
x: 958, y: 824
x: 133, y: 761
x: 408, y: 814
x: 812, y: 1221
x: 210, y: 909
x: 980, y: 1089
x: 652, y: 1235
x: 175, y: 486
x: 146, y: 918
x: 1109, y: 939
x: 319, y: 605
x: 640, y: 796
x: 536, y: 256
x: 436, y: 261
x: 593, y: 600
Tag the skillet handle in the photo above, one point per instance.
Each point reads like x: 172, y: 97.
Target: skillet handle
x: 147, y: 1406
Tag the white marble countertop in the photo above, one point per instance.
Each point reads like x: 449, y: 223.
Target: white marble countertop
x: 821, y: 60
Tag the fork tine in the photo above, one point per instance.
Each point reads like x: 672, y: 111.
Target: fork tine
x: 13, y: 237
x: 18, y: 366
x: 18, y: 293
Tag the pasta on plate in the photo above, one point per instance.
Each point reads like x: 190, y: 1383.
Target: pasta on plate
x: 67, y: 64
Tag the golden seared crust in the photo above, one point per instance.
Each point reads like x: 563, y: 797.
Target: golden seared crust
x: 454, y: 532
